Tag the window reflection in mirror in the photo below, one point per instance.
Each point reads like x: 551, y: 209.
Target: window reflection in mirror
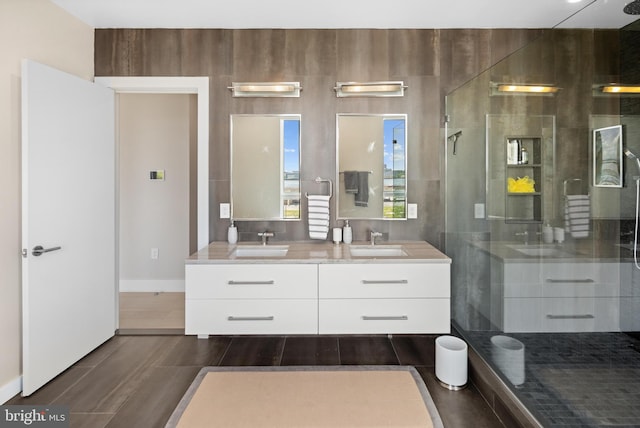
x: 371, y: 166
x: 265, y: 167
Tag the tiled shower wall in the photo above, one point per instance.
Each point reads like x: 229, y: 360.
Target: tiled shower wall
x: 431, y: 62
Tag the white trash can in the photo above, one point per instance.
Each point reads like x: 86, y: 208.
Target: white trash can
x: 507, y: 354
x: 451, y: 362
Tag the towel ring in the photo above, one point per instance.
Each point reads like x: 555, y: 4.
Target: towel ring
x: 570, y: 180
x: 323, y: 180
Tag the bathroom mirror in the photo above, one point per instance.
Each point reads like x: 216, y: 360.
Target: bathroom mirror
x: 265, y: 167
x: 371, y: 165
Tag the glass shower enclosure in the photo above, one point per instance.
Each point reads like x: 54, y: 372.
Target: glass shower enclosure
x: 544, y: 286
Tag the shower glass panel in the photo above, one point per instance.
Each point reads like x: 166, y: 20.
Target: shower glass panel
x: 544, y: 286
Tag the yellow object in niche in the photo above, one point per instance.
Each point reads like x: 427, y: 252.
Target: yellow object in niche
x: 521, y: 185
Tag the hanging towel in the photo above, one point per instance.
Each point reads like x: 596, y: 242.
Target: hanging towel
x: 357, y: 183
x: 577, y: 215
x: 362, y: 197
x: 351, y: 181
x: 318, y: 216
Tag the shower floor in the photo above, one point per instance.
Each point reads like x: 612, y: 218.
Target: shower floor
x: 576, y: 379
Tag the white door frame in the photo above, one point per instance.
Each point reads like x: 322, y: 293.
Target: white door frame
x: 179, y: 85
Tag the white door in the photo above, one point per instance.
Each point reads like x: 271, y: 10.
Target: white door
x: 68, y: 209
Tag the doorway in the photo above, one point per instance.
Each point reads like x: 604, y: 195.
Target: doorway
x: 157, y: 211
x: 199, y: 173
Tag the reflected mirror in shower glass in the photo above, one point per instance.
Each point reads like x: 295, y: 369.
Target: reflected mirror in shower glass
x: 265, y: 167
x: 607, y: 156
x: 371, y: 166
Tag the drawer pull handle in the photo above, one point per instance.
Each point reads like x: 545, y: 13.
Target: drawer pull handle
x: 385, y: 318
x: 269, y: 282
x: 232, y: 318
x: 567, y: 281
x: 571, y: 317
x: 383, y: 281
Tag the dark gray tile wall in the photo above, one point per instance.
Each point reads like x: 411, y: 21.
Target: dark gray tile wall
x: 431, y: 62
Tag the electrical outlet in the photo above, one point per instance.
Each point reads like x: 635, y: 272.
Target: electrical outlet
x: 412, y: 210
x: 225, y: 210
x: 155, y: 254
x: 478, y: 210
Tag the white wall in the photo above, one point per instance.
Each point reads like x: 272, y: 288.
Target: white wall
x: 39, y: 30
x: 154, y: 134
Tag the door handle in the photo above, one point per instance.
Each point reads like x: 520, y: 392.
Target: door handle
x: 38, y: 250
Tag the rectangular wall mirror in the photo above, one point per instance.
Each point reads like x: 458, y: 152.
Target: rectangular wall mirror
x: 371, y: 166
x: 265, y: 167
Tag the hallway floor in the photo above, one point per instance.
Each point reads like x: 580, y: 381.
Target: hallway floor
x: 138, y: 380
x: 158, y: 310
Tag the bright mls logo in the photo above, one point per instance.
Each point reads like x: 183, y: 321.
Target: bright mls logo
x: 34, y: 416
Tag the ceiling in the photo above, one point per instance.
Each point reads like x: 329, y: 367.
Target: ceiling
x: 349, y: 13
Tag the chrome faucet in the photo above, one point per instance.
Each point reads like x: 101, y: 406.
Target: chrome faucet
x: 373, y: 236
x: 266, y: 235
x: 525, y: 236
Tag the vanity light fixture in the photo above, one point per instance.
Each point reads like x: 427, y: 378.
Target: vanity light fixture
x: 620, y: 89
x: 370, y: 89
x: 523, y: 89
x: 265, y: 89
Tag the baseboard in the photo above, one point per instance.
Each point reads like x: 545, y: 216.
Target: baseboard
x: 9, y: 390
x: 150, y: 332
x: 151, y: 285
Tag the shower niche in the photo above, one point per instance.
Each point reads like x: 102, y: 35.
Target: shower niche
x: 523, y: 179
x: 520, y: 163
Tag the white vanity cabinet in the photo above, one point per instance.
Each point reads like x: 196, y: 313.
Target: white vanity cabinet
x: 251, y: 299
x: 317, y: 288
x: 629, y: 297
x: 369, y: 298
x: 559, y: 297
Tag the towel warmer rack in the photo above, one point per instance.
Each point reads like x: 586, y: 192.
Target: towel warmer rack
x: 323, y: 180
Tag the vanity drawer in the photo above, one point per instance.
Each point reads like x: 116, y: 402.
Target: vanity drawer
x: 603, y: 273
x: 293, y: 281
x: 581, y: 314
x: 385, y: 280
x: 383, y: 316
x: 562, y: 315
x: 585, y: 287
x: 561, y: 280
x: 251, y: 316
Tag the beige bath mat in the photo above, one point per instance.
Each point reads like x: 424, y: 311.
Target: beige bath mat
x: 320, y: 396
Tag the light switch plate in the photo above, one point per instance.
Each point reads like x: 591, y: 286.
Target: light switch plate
x: 225, y: 210
x: 412, y: 210
x: 478, y: 210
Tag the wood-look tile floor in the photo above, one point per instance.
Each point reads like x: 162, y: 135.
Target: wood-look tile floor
x: 137, y: 381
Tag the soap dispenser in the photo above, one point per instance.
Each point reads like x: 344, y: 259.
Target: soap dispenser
x: 232, y: 234
x: 347, y: 233
x: 547, y: 234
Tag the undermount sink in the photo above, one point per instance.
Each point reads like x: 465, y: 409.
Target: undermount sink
x: 377, y: 251
x: 261, y: 251
x: 538, y: 250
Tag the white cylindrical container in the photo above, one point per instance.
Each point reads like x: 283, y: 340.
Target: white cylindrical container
x: 347, y: 233
x: 547, y: 234
x: 558, y: 234
x: 451, y: 362
x: 232, y: 234
x: 507, y: 354
x: 337, y: 235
